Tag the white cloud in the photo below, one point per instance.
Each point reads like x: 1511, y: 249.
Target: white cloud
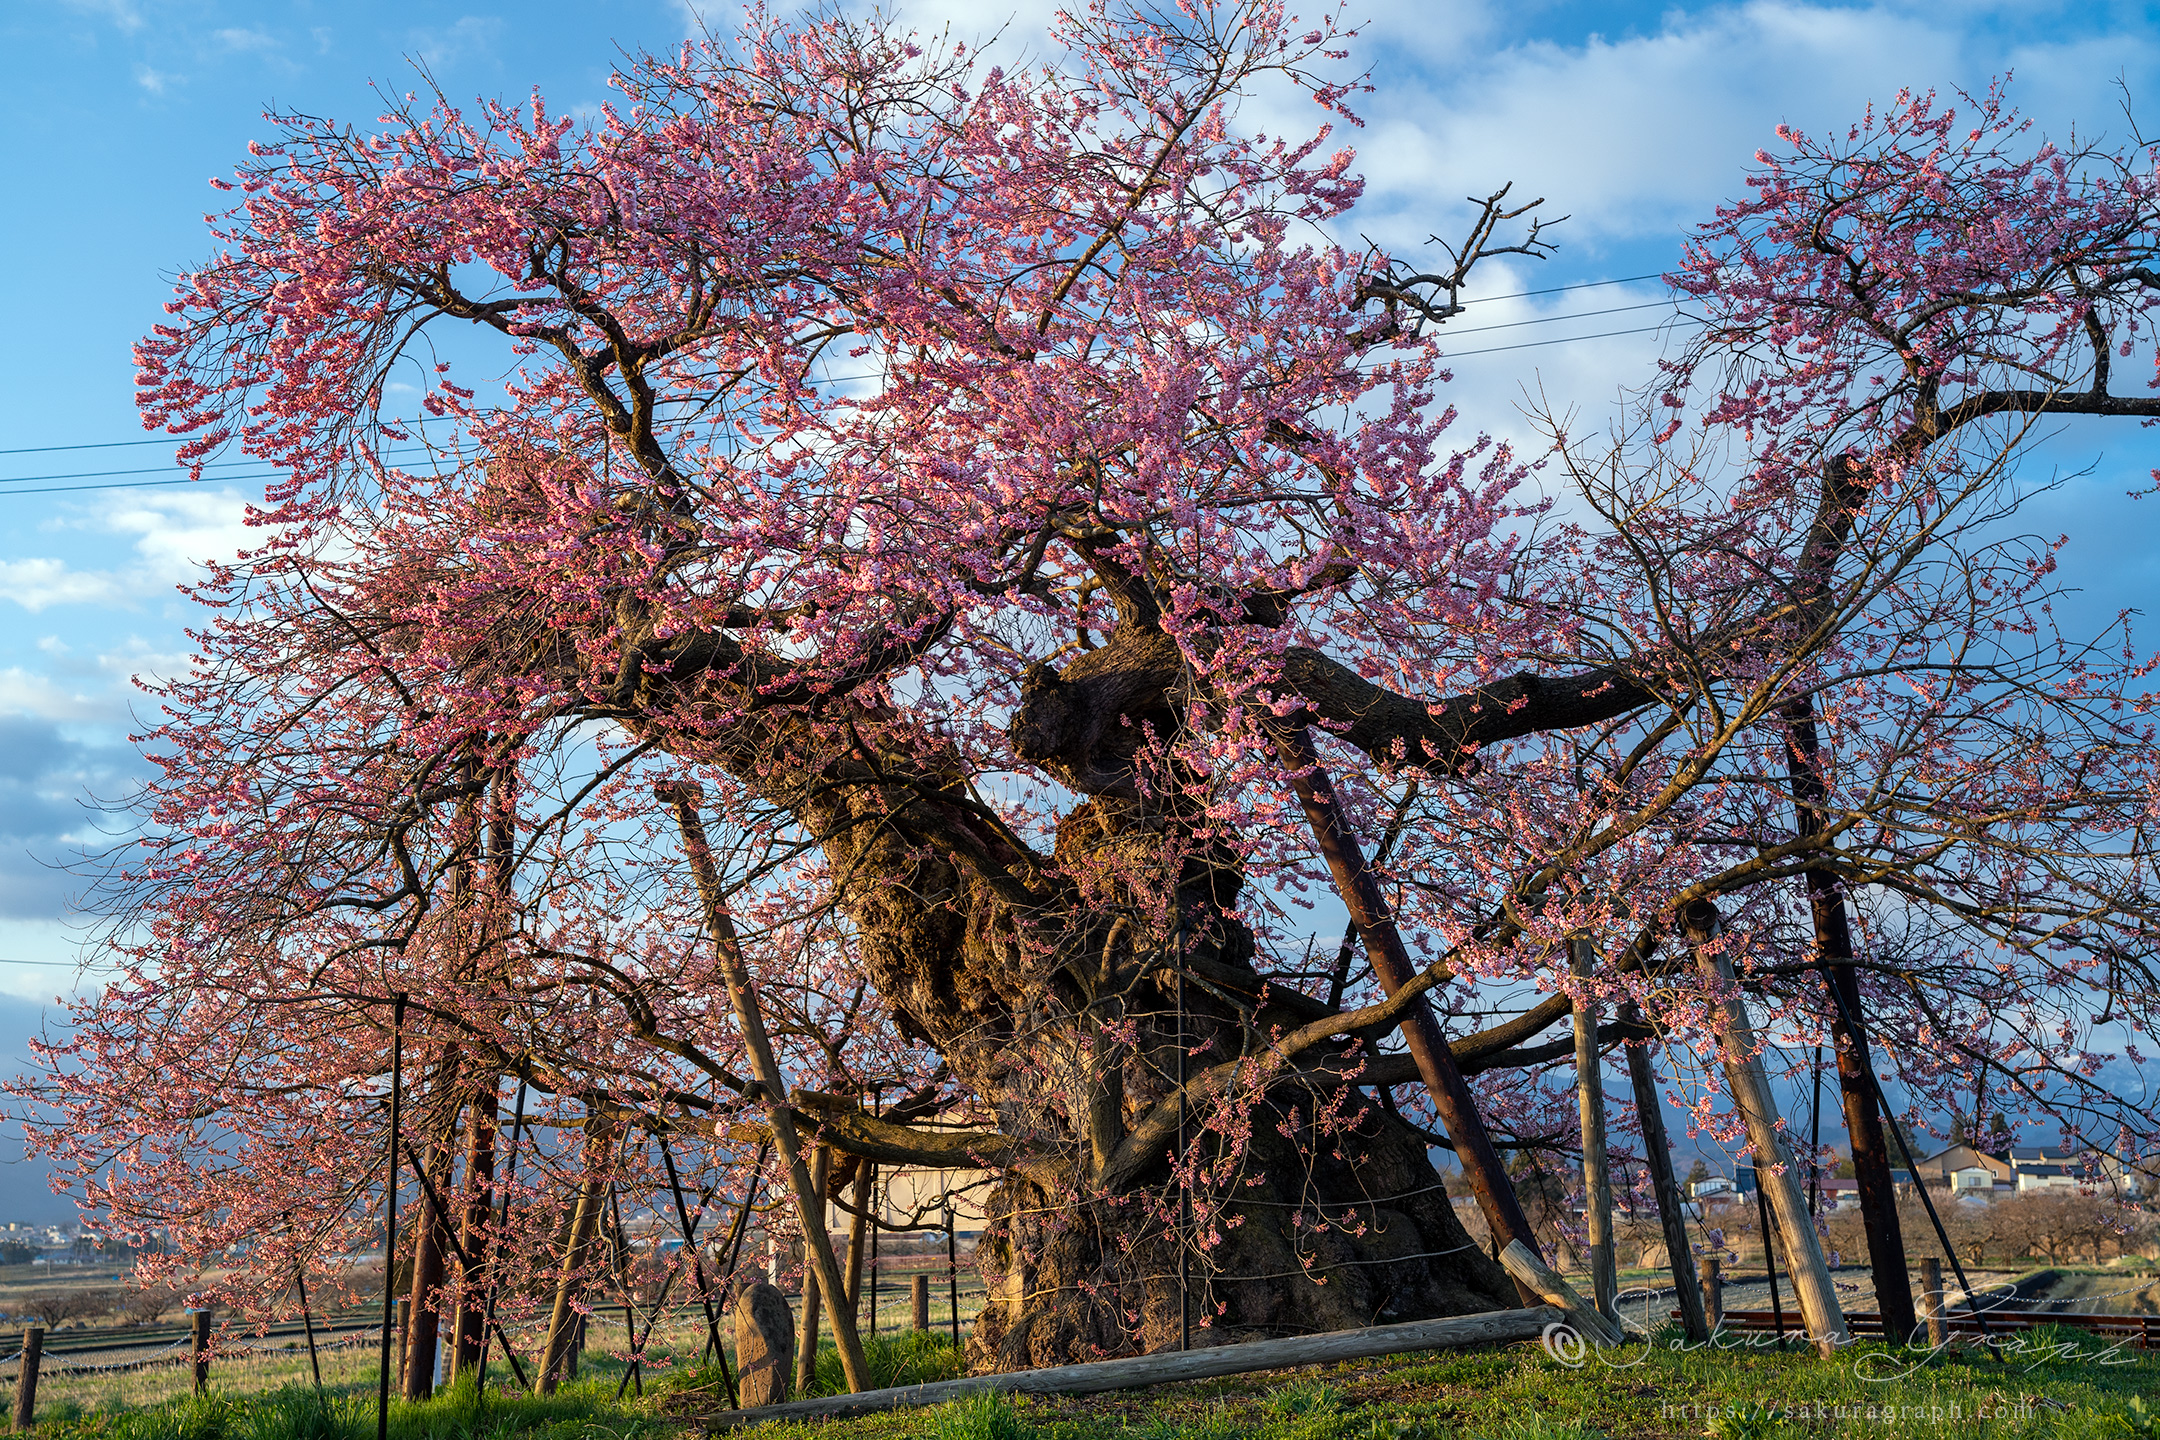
x: 467, y: 37
x: 246, y: 39
x: 138, y: 660
x: 125, y: 16
x: 174, y: 532
x: 1640, y: 136
x: 157, y: 82
x: 23, y: 692
x: 38, y: 583
x: 177, y: 530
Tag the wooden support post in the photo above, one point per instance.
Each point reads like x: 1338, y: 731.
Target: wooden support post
x: 1390, y: 960
x: 1749, y: 1081
x: 764, y: 1067
x: 1590, y: 1105
x: 1713, y: 1291
x: 1524, y: 1266
x: 1672, y: 1212
x: 858, y: 1236
x: 919, y: 1299
x: 1931, y: 1301
x: 564, y: 1333
x: 813, y: 1298
x: 199, y: 1347
x: 33, y: 1349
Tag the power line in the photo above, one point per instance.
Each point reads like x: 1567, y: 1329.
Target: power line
x: 182, y: 439
x: 166, y: 469
x: 1564, y: 340
x: 275, y: 475
x: 1555, y: 319
x: 123, y: 485
x: 161, y: 470
x: 1558, y: 289
x: 839, y: 379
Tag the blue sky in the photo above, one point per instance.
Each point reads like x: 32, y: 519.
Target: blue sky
x: 1633, y: 119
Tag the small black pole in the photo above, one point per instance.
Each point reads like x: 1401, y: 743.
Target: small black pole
x: 1762, y: 1218
x: 1814, y: 1154
x: 952, y: 1270
x: 742, y: 1233
x: 389, y: 1264
x: 308, y: 1320
x: 877, y: 1211
x: 697, y: 1263
x: 1184, y: 1254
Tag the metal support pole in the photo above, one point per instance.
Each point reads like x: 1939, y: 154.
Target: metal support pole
x: 1769, y: 1260
x: 877, y: 1222
x: 952, y: 1270
x: 199, y: 1346
x: 697, y: 1265
x: 314, y: 1361
x: 390, y: 1187
x: 1184, y: 1253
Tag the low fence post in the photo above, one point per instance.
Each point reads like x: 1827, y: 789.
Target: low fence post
x: 199, y: 1337
x: 33, y: 1347
x: 1931, y: 1300
x: 1713, y: 1291
x: 919, y: 1295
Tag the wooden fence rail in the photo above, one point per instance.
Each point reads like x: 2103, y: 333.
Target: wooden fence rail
x: 1175, y: 1365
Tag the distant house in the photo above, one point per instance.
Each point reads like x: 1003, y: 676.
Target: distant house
x: 1969, y: 1173
x: 1944, y: 1166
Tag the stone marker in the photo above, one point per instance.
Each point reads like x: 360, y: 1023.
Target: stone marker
x: 764, y: 1344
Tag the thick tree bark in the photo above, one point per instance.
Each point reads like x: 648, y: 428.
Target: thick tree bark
x: 1042, y: 980
x: 1072, y: 1280
x: 475, y: 1235
x: 431, y: 1245
x: 424, y: 1323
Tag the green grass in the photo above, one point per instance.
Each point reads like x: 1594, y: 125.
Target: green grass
x: 295, y: 1412
x: 2056, y: 1391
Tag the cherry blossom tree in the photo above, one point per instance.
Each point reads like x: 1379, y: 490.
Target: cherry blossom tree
x: 1047, y: 550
